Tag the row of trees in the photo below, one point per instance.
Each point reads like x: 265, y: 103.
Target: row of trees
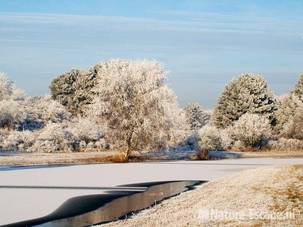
x: 129, y: 98
x: 249, y: 116
x: 125, y: 102
x: 126, y: 105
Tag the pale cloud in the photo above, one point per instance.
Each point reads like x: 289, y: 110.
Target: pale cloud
x: 206, y: 23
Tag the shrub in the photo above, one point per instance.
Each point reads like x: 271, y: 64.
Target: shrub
x: 41, y: 110
x: 209, y: 138
x: 247, y: 94
x: 251, y: 130
x: 3, y: 135
x: 18, y: 141
x: 54, y: 137
x: 74, y: 89
x: 90, y: 134
x: 86, y: 129
x: 10, y: 114
x: 226, y: 139
x: 286, y: 144
x: 196, y: 117
x: 139, y: 110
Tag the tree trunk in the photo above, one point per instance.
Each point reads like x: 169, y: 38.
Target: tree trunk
x: 129, y: 141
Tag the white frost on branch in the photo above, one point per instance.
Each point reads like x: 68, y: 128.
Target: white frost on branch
x: 8, y: 89
x: 140, y: 111
x: 252, y: 130
x: 196, y: 117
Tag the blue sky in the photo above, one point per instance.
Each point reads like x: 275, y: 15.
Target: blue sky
x: 203, y: 43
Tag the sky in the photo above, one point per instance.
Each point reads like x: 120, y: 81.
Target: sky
x: 202, y: 43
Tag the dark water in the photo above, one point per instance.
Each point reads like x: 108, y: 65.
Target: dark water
x: 7, y: 168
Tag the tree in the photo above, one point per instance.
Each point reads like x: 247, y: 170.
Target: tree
x: 285, y: 112
x: 139, y: 110
x: 8, y: 89
x: 288, y: 107
x: 247, y: 94
x: 195, y: 116
x: 74, y: 89
x: 10, y: 108
x: 293, y: 128
x: 298, y: 90
x: 209, y: 138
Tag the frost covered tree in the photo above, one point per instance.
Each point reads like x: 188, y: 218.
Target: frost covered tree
x: 139, y: 110
x: 74, y: 89
x: 196, y: 117
x: 285, y: 112
x: 298, y: 90
x: 10, y: 108
x: 293, y: 128
x: 209, y: 138
x: 247, y: 94
x: 251, y: 130
x: 8, y: 89
x: 290, y: 113
x: 287, y: 107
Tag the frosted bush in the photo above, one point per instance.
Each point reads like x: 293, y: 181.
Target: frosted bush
x: 226, y: 139
x: 21, y: 113
x: 196, y: 117
x: 55, y: 137
x: 252, y: 130
x: 8, y: 89
x: 11, y: 114
x: 139, y: 110
x: 3, y: 135
x: 286, y: 144
x: 247, y: 94
x: 19, y: 141
x: 87, y: 130
x: 178, y: 130
x: 209, y: 138
x: 50, y: 110
x: 239, y: 146
x: 191, y: 141
x: 41, y: 110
